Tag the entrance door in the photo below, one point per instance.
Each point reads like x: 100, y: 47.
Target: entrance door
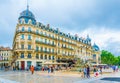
x: 22, y: 65
x: 28, y: 64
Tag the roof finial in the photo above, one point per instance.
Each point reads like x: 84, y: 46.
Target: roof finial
x: 27, y: 5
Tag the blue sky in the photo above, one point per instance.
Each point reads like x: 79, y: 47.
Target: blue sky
x: 98, y: 18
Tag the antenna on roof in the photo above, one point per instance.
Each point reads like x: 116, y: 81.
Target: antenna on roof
x: 27, y: 5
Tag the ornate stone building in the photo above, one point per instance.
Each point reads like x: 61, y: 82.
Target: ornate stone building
x: 36, y: 44
x: 5, y: 56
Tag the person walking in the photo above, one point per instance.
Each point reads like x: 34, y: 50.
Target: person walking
x: 95, y: 71
x: 88, y: 71
x: 101, y: 70
x: 32, y: 69
x: 85, y: 72
x: 48, y: 69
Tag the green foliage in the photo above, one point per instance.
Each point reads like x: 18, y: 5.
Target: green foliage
x: 109, y: 58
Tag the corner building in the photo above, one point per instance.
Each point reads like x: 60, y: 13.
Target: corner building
x: 36, y: 44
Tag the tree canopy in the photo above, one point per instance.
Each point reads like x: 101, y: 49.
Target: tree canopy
x: 109, y: 58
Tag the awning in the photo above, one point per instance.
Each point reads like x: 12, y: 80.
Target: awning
x: 49, y: 63
x: 99, y: 64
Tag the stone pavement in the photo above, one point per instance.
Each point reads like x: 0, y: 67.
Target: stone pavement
x: 109, y: 78
x: 57, y: 77
x: 37, y: 77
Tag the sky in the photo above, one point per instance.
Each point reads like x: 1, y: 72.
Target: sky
x: 98, y: 18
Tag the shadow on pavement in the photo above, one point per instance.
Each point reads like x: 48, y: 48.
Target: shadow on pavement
x: 117, y: 79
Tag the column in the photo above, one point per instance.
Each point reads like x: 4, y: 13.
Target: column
x: 19, y: 64
x: 25, y: 64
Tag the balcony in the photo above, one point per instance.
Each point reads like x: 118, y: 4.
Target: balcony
x: 39, y: 42
x: 67, y: 48
x: 47, y: 52
x: 25, y: 49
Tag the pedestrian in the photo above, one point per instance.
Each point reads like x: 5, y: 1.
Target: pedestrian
x: 85, y: 72
x: 48, y: 70
x: 95, y: 71
x: 27, y: 68
x: 88, y: 71
x: 13, y: 68
x: 51, y: 69
x: 32, y: 69
x: 100, y: 70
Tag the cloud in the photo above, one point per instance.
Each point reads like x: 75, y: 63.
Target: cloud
x: 105, y: 38
x: 98, y: 18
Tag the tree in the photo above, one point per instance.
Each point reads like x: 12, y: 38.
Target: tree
x: 109, y: 58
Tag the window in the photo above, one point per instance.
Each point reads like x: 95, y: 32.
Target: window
x: 58, y: 44
x: 45, y: 56
x: 29, y: 55
x: 29, y: 37
x: 49, y: 42
x: 41, y: 57
x: 23, y: 29
x: 52, y: 57
x: 58, y: 51
x: 52, y: 42
x: 37, y: 31
x: 49, y: 49
x: 37, y: 39
x: 53, y: 50
x: 41, y: 49
x: 46, y: 41
x: 29, y: 29
x: 22, y: 46
x: 49, y: 35
x: 22, y: 36
x: 45, y: 34
x: 41, y: 40
x: 37, y: 56
x: 29, y: 47
x: 45, y: 49
x: 22, y: 55
x: 41, y: 32
x: 37, y: 48
x: 49, y: 57
x: 94, y: 56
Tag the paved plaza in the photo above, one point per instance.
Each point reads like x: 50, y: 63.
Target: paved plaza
x: 58, y: 77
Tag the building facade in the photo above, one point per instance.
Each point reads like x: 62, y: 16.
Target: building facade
x: 36, y: 44
x: 5, y: 56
